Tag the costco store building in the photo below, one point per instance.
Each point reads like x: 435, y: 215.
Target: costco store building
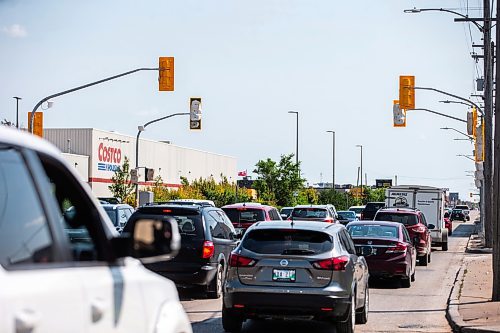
x: 96, y: 154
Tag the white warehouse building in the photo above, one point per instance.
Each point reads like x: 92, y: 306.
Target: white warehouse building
x: 96, y: 154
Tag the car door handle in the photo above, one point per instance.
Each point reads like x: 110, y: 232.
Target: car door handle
x: 26, y: 320
x: 97, y: 308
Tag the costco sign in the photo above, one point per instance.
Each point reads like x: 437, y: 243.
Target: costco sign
x: 109, y: 158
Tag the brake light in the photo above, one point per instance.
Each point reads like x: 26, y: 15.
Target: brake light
x: 399, y: 248
x: 235, y: 260
x: 208, y: 249
x: 362, y: 215
x: 333, y: 264
x: 328, y: 219
x: 167, y: 211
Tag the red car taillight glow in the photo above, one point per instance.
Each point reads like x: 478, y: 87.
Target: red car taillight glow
x: 399, y: 248
x: 328, y: 219
x: 420, y: 229
x: 208, y: 249
x: 332, y: 264
x: 235, y: 260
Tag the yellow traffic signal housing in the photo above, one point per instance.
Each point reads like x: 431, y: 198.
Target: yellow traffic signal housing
x: 407, y: 92
x: 474, y: 122
x: 166, y: 75
x: 37, y: 123
x: 399, y: 115
x: 479, y: 144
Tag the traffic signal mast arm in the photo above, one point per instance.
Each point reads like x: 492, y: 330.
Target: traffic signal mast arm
x: 454, y: 96
x: 438, y: 113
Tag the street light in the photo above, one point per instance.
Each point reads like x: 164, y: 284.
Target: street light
x: 454, y: 102
x: 454, y: 129
x: 297, y: 139
x: 17, y: 110
x: 467, y: 156
x: 333, y: 159
x: 361, y: 176
x: 142, y: 129
x: 419, y: 10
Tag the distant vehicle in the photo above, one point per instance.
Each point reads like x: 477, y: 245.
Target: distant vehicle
x: 285, y: 212
x: 416, y: 225
x: 448, y: 223
x: 118, y: 214
x: 56, y: 281
x: 207, y: 239
x: 465, y: 209
x: 244, y: 214
x: 201, y: 202
x: 458, y: 215
x: 322, y: 213
x: 110, y: 200
x: 295, y: 269
x: 370, y: 209
x: 429, y: 200
x: 387, y: 248
x: 346, y: 216
x: 357, y: 210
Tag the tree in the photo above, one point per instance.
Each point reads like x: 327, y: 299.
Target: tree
x: 122, y: 188
x: 278, y: 183
x: 341, y: 200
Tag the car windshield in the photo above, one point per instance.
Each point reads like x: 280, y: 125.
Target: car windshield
x: 406, y: 219
x: 357, y: 210
x: 309, y: 212
x: 346, y: 215
x: 245, y: 215
x: 373, y: 231
x: 457, y: 211
x: 112, y: 214
x: 287, y: 241
x: 286, y: 211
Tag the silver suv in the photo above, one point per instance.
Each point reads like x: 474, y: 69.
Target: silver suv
x: 296, y: 269
x: 323, y: 213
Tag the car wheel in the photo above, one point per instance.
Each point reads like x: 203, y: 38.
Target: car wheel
x: 423, y: 260
x: 444, y: 246
x: 406, y: 282
x: 362, y: 317
x: 230, y: 322
x: 429, y: 256
x: 215, y: 287
x: 347, y: 326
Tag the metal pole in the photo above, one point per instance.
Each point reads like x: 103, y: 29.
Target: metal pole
x: 438, y: 113
x: 297, y: 140
x: 17, y: 110
x: 333, y: 158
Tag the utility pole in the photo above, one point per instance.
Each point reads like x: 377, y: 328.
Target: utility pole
x: 17, y: 110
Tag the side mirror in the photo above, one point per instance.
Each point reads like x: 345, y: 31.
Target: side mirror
x: 155, y: 240
x: 431, y: 226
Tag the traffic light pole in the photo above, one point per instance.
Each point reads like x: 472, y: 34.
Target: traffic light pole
x: 32, y: 116
x: 439, y: 114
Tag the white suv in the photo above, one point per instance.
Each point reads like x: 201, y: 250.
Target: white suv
x: 465, y: 209
x: 63, y: 266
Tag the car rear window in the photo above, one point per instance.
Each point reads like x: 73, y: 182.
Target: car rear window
x: 112, y: 215
x: 346, y: 215
x: 406, y: 219
x: 188, y: 220
x: 244, y: 215
x: 309, y: 213
x: 462, y: 207
x: 374, y: 206
x: 287, y: 241
x: 373, y: 231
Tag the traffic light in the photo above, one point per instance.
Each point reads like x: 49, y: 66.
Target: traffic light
x: 150, y: 174
x: 474, y: 121
x: 37, y: 123
x: 399, y: 116
x: 166, y: 74
x: 479, y: 147
x: 195, y: 113
x: 407, y: 92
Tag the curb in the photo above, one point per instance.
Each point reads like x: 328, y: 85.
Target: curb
x: 452, y: 314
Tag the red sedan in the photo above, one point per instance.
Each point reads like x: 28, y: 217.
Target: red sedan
x: 387, y: 248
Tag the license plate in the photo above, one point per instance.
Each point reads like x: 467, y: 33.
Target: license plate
x: 284, y: 275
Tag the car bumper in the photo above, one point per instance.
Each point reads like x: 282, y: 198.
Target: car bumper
x: 388, y: 269
x: 202, y: 275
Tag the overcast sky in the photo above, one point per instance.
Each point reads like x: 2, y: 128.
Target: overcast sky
x: 335, y: 62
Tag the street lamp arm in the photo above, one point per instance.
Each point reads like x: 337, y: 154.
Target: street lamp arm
x: 32, y: 116
x: 454, y: 96
x: 440, y: 114
x: 418, y: 10
x: 464, y: 134
x: 169, y: 116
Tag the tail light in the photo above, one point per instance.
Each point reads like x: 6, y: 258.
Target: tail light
x: 235, y: 260
x: 420, y: 229
x: 332, y: 264
x: 329, y: 220
x: 208, y: 249
x: 362, y: 216
x: 399, y: 248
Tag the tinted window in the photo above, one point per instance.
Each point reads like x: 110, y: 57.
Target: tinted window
x: 309, y: 213
x: 424, y: 221
x: 244, y: 215
x: 406, y: 219
x: 274, y: 215
x: 373, y: 231
x: 216, y: 225
x: 112, y: 214
x: 406, y: 236
x: 189, y: 221
x: 24, y: 232
x: 122, y: 216
x: 346, y: 215
x: 346, y: 240
x: 286, y: 211
x: 287, y: 241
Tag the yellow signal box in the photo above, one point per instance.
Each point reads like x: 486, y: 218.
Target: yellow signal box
x: 479, y: 144
x: 166, y: 75
x: 474, y: 121
x: 37, y: 123
x: 407, y: 92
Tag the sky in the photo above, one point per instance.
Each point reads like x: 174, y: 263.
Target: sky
x: 337, y: 63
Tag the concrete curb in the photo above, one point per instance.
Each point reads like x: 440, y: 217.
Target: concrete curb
x: 452, y: 314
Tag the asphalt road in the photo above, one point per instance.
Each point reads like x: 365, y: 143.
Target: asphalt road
x: 420, y: 308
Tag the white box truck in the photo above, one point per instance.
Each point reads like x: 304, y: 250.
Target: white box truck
x: 427, y: 199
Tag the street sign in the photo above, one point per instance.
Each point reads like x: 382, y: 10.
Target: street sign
x: 407, y: 92
x: 166, y: 74
x: 399, y: 115
x: 37, y: 124
x: 195, y: 113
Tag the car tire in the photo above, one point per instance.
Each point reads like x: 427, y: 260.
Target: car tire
x: 423, y: 260
x: 230, y: 322
x: 362, y: 317
x: 429, y: 256
x: 444, y: 246
x: 347, y: 326
x: 412, y: 278
x: 406, y: 282
x: 214, y: 289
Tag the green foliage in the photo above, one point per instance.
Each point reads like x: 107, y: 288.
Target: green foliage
x: 278, y: 182
x: 377, y: 194
x: 341, y: 200
x: 121, y: 187
x: 308, y: 196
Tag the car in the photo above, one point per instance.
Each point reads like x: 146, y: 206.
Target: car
x: 371, y: 209
x: 416, y: 225
x: 346, y: 216
x: 285, y: 212
x: 322, y: 213
x: 118, y: 214
x: 465, y: 209
x: 357, y: 210
x: 202, y: 202
x: 207, y: 239
x: 244, y: 214
x: 458, y: 215
x: 296, y: 269
x: 54, y: 283
x: 448, y: 223
x: 110, y: 200
x: 387, y: 248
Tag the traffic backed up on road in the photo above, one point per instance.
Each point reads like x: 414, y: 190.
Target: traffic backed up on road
x: 387, y: 248
x: 320, y: 213
x: 303, y: 269
x: 244, y: 214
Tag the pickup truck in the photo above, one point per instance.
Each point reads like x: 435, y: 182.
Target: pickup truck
x: 63, y: 266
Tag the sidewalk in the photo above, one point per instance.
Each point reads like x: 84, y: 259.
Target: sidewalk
x: 470, y: 308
